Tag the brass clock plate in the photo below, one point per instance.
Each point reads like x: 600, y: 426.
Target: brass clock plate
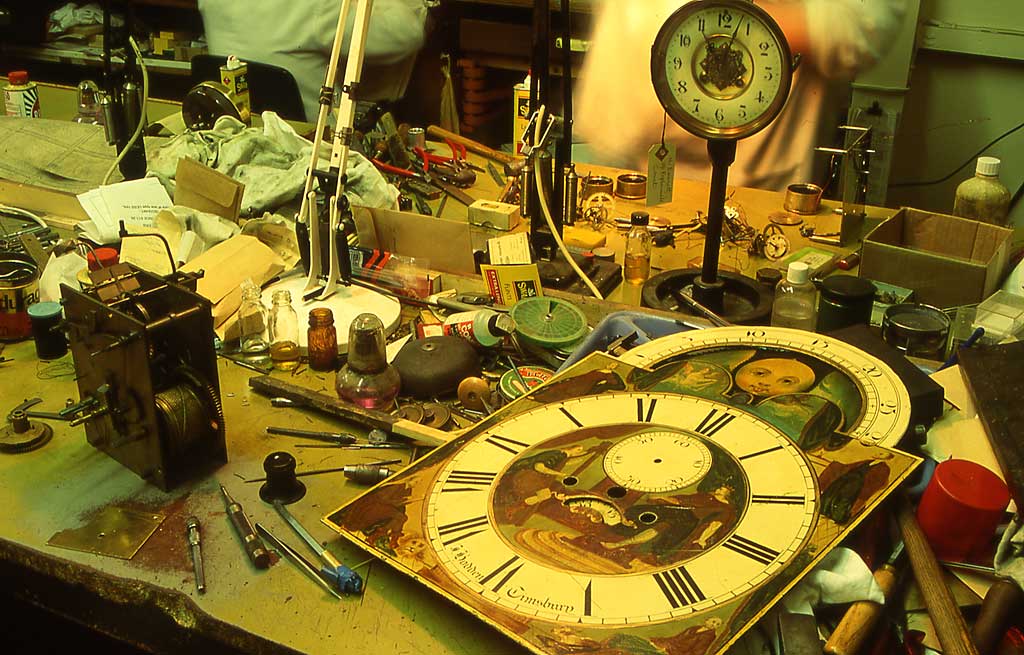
x: 592, y: 515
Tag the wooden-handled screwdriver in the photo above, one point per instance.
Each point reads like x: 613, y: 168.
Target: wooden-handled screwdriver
x: 858, y: 624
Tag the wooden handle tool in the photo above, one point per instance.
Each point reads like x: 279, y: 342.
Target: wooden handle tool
x: 1002, y: 603
x: 859, y: 621
x: 471, y: 145
x: 949, y: 623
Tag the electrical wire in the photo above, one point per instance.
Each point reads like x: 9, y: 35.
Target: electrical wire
x: 142, y: 113
x: 961, y: 166
x: 546, y: 210
x: 15, y: 211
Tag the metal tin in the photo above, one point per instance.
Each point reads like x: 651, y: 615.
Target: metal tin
x: 597, y: 184
x: 916, y: 330
x: 631, y: 186
x: 19, y: 288
x: 416, y: 137
x: 845, y: 300
x: 802, y: 198
x: 510, y: 386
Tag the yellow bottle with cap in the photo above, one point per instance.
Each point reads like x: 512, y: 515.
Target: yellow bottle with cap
x: 983, y: 197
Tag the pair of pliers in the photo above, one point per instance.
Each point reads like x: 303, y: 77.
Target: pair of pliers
x: 459, y: 157
x: 443, y: 169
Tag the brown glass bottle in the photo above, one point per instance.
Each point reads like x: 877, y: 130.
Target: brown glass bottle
x: 322, y: 340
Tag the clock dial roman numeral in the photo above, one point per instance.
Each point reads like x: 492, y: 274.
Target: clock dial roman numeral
x: 679, y: 587
x: 505, y: 568
x: 777, y: 500
x: 761, y: 452
x: 641, y: 416
x: 571, y: 417
x: 510, y: 445
x: 468, y: 481
x: 460, y: 530
x: 714, y: 422
x: 751, y: 549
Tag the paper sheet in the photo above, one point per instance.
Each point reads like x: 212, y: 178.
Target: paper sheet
x: 135, y: 202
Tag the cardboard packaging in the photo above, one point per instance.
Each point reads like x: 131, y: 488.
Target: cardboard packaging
x: 947, y: 261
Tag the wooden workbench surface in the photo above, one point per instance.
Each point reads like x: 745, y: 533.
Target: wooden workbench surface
x: 151, y: 599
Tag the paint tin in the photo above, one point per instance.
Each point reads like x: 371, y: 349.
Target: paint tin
x: 19, y: 288
x: 21, y: 96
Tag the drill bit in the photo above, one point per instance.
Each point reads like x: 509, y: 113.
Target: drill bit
x: 192, y: 531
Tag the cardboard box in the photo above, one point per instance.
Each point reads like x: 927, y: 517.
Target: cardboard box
x: 947, y: 261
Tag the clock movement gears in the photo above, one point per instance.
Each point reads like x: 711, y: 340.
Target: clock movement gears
x: 771, y: 243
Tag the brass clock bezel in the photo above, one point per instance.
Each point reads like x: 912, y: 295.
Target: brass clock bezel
x: 662, y: 83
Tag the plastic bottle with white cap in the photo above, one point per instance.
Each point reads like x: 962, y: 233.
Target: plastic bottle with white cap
x: 983, y: 197
x: 796, y: 299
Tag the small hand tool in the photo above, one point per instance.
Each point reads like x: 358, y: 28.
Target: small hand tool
x: 192, y: 531
x: 345, y: 579
x: 858, y: 624
x: 368, y: 474
x: 331, y: 437
x: 258, y: 555
x: 1005, y: 597
x: 337, y: 469
x: 298, y: 560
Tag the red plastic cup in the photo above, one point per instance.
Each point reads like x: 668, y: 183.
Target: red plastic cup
x: 961, y: 508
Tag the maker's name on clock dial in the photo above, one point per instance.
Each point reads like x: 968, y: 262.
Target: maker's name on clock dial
x: 721, y: 68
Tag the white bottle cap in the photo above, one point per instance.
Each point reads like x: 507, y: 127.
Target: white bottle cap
x: 987, y: 166
x: 798, y: 272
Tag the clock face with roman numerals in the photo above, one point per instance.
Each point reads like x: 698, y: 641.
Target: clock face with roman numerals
x: 596, y: 514
x: 721, y: 68
x: 621, y: 508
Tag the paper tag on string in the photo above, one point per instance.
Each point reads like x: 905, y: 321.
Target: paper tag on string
x: 661, y: 172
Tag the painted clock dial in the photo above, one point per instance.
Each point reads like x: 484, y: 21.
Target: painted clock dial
x: 811, y: 386
x: 595, y: 516
x: 529, y: 516
x: 721, y: 68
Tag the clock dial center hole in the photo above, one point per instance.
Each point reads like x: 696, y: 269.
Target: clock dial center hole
x: 647, y: 518
x: 570, y: 481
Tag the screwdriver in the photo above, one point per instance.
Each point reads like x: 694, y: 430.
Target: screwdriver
x: 258, y: 555
x: 858, y: 624
x: 192, y: 531
x: 332, y: 437
x: 345, y: 579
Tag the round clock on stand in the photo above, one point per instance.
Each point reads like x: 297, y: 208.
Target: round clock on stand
x: 722, y: 69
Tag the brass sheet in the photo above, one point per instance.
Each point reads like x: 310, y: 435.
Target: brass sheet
x: 113, y: 532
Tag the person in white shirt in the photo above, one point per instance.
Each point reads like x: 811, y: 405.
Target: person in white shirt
x: 298, y: 34
x: 618, y: 114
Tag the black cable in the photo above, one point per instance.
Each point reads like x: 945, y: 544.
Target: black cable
x: 960, y: 168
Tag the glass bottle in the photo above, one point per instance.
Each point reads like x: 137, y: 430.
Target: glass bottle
x: 637, y: 260
x: 796, y: 299
x: 367, y: 379
x: 253, y: 320
x: 983, y: 197
x: 284, y: 332
x: 322, y: 340
x: 88, y: 103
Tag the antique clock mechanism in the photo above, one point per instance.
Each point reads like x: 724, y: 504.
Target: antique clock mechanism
x: 722, y: 69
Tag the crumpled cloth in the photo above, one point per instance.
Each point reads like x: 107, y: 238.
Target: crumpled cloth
x: 1009, y: 559
x: 71, y: 15
x: 271, y: 162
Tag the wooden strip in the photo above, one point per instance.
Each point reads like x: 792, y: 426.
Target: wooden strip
x: 371, y: 418
x: 60, y: 210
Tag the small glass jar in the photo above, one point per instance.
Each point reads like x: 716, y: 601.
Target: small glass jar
x: 284, y: 332
x: 367, y: 379
x: 322, y: 340
x: 253, y: 320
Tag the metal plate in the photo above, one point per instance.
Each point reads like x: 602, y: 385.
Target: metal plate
x: 114, y: 532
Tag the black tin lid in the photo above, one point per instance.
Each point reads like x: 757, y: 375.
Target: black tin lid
x: 845, y: 288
